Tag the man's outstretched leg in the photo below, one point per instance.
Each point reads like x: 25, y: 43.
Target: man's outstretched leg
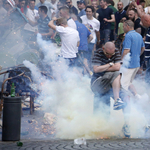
x: 119, y: 104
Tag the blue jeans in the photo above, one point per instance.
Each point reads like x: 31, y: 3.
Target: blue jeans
x: 105, y: 35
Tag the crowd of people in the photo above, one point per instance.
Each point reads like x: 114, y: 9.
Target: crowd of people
x: 94, y: 37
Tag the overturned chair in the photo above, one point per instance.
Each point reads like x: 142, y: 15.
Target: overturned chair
x: 21, y: 77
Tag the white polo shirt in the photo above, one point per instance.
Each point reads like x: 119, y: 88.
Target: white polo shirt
x: 69, y: 38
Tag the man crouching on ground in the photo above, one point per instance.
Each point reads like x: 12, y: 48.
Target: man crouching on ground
x: 106, y: 65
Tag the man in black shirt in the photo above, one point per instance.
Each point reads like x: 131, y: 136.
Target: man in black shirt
x: 132, y: 15
x: 72, y: 9
x: 119, y: 15
x: 106, y: 16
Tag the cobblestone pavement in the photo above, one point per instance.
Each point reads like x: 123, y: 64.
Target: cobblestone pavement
x: 113, y: 144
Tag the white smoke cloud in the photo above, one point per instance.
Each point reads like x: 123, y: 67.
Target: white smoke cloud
x: 70, y: 98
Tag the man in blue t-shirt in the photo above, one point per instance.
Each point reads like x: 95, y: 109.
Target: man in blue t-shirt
x: 106, y: 16
x: 133, y: 46
x: 85, y: 38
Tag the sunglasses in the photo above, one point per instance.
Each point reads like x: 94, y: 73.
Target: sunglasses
x: 67, y: 2
x: 109, y: 53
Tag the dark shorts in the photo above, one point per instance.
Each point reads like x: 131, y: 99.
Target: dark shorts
x: 103, y: 83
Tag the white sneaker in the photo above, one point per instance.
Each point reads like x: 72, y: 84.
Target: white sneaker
x: 119, y: 104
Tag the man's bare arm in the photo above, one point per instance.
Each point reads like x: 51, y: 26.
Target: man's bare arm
x: 90, y: 38
x: 107, y: 67
x: 110, y: 20
x: 51, y: 23
x: 142, y: 50
x: 115, y: 67
x: 138, y: 30
x: 32, y: 23
x: 98, y: 37
x: 125, y: 52
x: 50, y: 33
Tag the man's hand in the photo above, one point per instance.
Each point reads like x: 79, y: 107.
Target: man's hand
x: 134, y: 4
x: 105, y: 19
x: 54, y: 18
x: 98, y: 42
x: 123, y: 19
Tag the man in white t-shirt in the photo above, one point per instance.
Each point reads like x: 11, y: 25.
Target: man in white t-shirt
x: 29, y: 30
x: 69, y: 38
x: 64, y: 13
x: 93, y: 25
x: 31, y: 15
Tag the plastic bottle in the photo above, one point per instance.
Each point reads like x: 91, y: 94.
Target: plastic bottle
x: 80, y: 141
x: 12, y: 91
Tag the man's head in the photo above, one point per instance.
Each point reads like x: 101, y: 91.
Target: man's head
x: 81, y: 4
x: 69, y: 3
x: 7, y: 5
x: 120, y: 6
x: 89, y: 11
x: 42, y: 11
x: 32, y: 4
x: 94, y: 4
x: 103, y: 3
x: 53, y: 1
x: 132, y: 14
x: 142, y: 2
x: 141, y: 8
x: 59, y: 5
x: 109, y: 49
x: 61, y: 22
x: 22, y: 3
x: 64, y: 12
x: 16, y: 2
x: 128, y: 25
x: 108, y: 1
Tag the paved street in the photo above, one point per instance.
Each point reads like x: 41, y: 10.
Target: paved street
x: 119, y: 144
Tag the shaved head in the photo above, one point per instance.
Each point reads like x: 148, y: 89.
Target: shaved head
x: 109, y: 49
x: 110, y: 46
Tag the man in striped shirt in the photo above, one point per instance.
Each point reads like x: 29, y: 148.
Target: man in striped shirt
x: 106, y: 76
x: 147, y: 56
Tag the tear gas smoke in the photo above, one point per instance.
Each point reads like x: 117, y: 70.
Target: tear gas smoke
x: 69, y: 97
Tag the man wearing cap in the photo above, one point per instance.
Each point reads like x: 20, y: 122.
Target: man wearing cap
x: 72, y: 9
x: 81, y: 7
